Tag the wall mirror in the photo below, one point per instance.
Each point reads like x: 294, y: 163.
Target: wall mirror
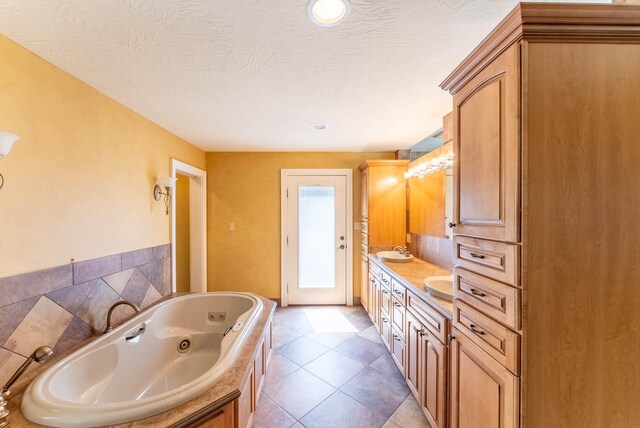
x: 430, y: 184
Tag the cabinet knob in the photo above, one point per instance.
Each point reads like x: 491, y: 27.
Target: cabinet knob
x: 452, y: 225
x: 451, y: 337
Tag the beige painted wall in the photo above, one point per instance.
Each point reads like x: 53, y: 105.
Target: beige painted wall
x: 79, y: 182
x: 183, y: 232
x: 244, y: 188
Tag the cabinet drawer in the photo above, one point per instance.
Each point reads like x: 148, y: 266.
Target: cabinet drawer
x: 385, y: 278
x: 364, y: 238
x: 495, y: 299
x: 495, y: 339
x: 397, y: 315
x: 385, y: 300
x: 432, y: 319
x: 385, y: 329
x: 398, y: 348
x: 496, y: 260
x: 374, y: 268
x: 398, y: 292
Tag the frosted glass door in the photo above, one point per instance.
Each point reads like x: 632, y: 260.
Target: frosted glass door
x: 316, y: 232
x: 316, y: 239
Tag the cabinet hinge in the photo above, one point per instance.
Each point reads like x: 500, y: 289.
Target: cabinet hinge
x: 287, y: 193
x: 287, y: 240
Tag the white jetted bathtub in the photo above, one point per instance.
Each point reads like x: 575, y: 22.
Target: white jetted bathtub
x: 159, y: 359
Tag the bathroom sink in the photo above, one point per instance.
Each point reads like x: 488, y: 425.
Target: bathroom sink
x: 440, y: 286
x: 393, y: 256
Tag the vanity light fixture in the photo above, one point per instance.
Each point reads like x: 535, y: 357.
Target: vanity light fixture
x: 443, y: 161
x: 6, y: 143
x: 166, y: 183
x: 328, y: 13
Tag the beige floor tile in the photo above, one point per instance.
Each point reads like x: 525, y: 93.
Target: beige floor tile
x: 410, y: 415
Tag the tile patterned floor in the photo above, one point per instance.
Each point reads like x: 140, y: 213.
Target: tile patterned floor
x: 331, y: 370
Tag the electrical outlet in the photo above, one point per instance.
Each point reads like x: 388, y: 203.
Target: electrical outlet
x: 357, y: 225
x: 232, y: 226
x: 408, y: 238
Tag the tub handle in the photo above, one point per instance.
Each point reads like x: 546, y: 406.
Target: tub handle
x: 227, y: 331
x: 135, y: 335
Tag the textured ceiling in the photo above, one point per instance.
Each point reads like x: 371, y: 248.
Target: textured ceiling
x: 254, y: 74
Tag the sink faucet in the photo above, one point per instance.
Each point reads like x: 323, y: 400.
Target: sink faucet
x: 40, y: 355
x: 115, y: 305
x: 402, y: 250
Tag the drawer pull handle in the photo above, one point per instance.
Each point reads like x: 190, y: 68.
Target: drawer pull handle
x: 396, y: 337
x: 419, y: 331
x: 452, y: 225
x: 398, y: 292
x: 476, y: 292
x: 397, y: 305
x: 385, y: 292
x: 477, y: 256
x: 385, y: 280
x: 476, y: 330
x: 384, y: 320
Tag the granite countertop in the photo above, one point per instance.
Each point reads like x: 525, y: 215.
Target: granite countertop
x: 225, y: 390
x: 412, y: 276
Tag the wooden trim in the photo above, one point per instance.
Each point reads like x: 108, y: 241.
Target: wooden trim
x: 198, y: 262
x: 549, y: 22
x: 383, y: 162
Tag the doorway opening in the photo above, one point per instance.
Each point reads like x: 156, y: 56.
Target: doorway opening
x: 316, y: 217
x: 189, y: 228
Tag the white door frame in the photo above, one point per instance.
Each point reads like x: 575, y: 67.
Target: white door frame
x: 286, y: 173
x: 198, y: 225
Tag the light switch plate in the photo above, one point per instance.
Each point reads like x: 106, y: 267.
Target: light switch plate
x: 408, y: 238
x: 232, y: 226
x: 357, y: 225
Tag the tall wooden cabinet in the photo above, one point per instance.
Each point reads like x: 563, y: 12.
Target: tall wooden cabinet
x: 384, y: 212
x: 546, y: 213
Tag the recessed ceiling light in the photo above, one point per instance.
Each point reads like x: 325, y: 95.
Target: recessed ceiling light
x: 319, y: 126
x: 328, y: 13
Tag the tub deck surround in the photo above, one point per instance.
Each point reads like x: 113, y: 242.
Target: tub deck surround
x: 191, y: 413
x: 412, y: 276
x: 62, y: 306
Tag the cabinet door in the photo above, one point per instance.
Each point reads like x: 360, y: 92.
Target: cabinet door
x: 414, y: 355
x: 433, y: 370
x: 487, y: 149
x: 364, y: 286
x: 375, y: 313
x: 246, y: 402
x: 223, y: 418
x: 484, y: 394
x: 364, y: 195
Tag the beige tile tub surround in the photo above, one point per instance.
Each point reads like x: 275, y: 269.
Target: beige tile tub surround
x: 224, y: 391
x: 62, y: 306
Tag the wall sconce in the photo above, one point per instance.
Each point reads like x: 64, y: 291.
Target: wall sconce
x: 167, y: 183
x: 6, y: 143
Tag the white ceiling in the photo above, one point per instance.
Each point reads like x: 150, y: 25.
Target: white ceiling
x: 252, y: 75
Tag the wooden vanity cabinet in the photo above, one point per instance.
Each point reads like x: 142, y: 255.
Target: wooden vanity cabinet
x: 415, y: 334
x: 546, y: 147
